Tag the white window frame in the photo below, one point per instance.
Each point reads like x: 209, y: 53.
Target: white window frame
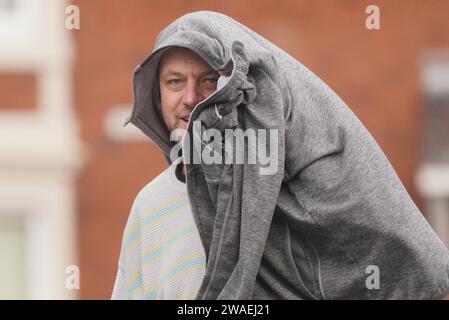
x: 40, y: 149
x: 432, y: 179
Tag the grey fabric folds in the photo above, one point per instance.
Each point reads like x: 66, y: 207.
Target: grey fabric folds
x: 331, y: 211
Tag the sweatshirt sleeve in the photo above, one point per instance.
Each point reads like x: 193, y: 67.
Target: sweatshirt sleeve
x: 129, y: 261
x: 119, y: 291
x: 363, y: 216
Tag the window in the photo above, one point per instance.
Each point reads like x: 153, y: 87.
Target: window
x: 18, y: 23
x: 7, y: 6
x: 13, y: 269
x: 433, y: 175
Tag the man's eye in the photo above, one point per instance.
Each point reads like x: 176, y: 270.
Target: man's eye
x: 174, y: 81
x: 210, y: 80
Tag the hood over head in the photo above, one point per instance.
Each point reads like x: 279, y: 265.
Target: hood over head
x: 210, y: 35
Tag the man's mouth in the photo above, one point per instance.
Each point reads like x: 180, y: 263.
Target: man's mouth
x: 186, y: 118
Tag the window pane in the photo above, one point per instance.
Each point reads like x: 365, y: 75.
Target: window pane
x: 13, y: 258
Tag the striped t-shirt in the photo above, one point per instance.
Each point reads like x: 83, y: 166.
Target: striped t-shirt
x: 162, y: 256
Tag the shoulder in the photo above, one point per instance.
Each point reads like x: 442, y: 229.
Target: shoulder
x: 147, y: 200
x: 155, y: 186
x: 164, y: 191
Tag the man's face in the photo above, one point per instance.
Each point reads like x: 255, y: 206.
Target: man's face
x: 185, y: 79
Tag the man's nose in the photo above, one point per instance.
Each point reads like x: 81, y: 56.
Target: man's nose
x: 192, y: 95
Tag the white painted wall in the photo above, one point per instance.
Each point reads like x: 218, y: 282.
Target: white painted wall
x: 432, y: 179
x: 40, y: 151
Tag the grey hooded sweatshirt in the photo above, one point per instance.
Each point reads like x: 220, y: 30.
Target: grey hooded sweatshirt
x: 329, y: 220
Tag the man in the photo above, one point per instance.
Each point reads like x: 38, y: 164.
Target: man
x: 174, y: 258
x: 332, y: 221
